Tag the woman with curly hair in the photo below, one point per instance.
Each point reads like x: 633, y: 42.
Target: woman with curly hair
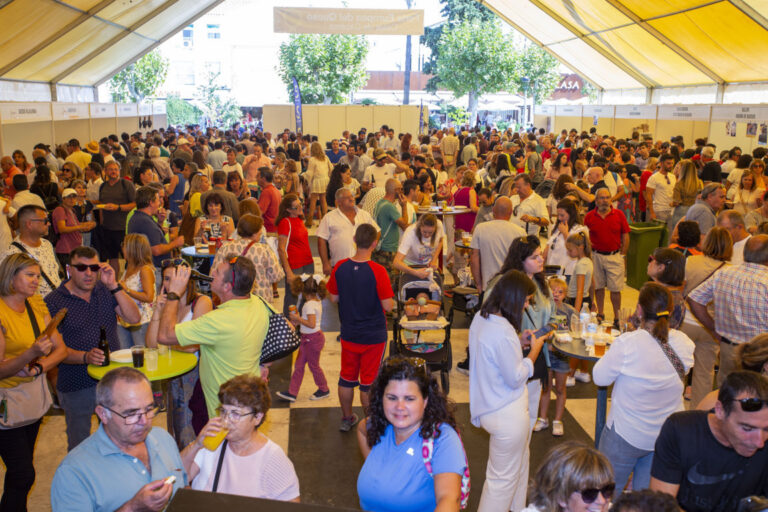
x: 414, y: 458
x: 572, y: 478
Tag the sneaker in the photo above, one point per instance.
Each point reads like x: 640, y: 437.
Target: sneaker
x: 463, y: 367
x: 582, y: 376
x: 347, y: 423
x: 319, y: 395
x: 570, y: 381
x: 286, y: 396
x: 557, y: 428
x: 541, y: 424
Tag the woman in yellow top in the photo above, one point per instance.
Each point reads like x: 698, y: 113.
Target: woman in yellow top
x: 24, y: 359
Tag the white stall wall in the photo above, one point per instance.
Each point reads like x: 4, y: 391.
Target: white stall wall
x: 79, y: 129
x: 103, y: 127
x: 723, y: 118
x: 329, y: 121
x: 598, y: 116
x: 567, y: 117
x: 641, y: 118
x: 690, y: 121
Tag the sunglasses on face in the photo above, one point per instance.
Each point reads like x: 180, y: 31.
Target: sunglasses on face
x: 590, y: 495
x: 44, y: 221
x: 82, y: 267
x: 173, y: 262
x: 751, y: 404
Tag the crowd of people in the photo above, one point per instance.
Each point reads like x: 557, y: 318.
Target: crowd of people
x: 97, y: 230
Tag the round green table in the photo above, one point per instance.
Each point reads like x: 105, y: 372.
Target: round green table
x: 169, y: 365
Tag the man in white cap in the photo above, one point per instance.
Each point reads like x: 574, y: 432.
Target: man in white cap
x: 183, y: 149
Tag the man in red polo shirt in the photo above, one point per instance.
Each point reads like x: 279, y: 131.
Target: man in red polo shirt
x: 609, y: 233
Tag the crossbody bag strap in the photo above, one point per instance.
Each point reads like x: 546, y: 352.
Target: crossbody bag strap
x: 250, y: 244
x: 42, y: 272
x: 32, y: 318
x: 674, y: 359
x: 218, y: 466
x: 706, y: 278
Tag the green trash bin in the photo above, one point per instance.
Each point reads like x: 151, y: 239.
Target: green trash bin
x: 644, y: 238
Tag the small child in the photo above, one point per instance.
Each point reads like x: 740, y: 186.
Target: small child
x: 579, y: 247
x: 559, y: 367
x: 312, y: 289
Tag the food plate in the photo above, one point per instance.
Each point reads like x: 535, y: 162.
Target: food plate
x: 121, y: 356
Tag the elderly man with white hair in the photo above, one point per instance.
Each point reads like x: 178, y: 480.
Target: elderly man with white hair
x: 594, y: 177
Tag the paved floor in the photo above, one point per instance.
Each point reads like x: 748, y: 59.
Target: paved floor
x: 327, y: 461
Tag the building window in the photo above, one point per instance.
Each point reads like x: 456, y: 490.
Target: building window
x: 213, y: 67
x: 186, y: 73
x: 186, y: 35
x: 214, y: 31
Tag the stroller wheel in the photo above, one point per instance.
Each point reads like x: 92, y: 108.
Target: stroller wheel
x: 445, y: 381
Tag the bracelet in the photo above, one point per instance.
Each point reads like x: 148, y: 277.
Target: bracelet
x: 116, y: 289
x: 85, y: 356
x: 39, y: 368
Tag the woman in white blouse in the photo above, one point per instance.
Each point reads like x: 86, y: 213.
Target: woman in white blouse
x: 647, y: 386
x: 420, y: 246
x: 747, y: 195
x: 568, y: 223
x: 498, y: 394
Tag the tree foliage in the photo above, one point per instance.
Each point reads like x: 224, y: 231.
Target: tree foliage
x: 182, y: 112
x: 475, y: 58
x: 455, y: 12
x: 140, y: 79
x: 218, y: 106
x: 540, y: 67
x: 328, y: 67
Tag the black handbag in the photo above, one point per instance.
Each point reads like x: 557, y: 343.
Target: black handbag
x: 281, y: 339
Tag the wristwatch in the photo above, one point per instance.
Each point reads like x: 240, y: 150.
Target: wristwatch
x: 116, y: 289
x: 172, y: 296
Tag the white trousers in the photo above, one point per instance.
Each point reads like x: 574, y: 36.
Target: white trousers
x: 506, y: 476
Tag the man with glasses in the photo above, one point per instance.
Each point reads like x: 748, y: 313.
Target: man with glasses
x: 93, y: 299
x: 709, y: 460
x: 125, y: 464
x: 33, y: 226
x: 658, y: 190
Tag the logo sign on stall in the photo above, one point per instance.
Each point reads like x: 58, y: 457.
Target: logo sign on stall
x: 297, y: 105
x: 308, y: 20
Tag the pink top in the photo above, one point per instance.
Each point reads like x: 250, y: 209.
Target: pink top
x: 67, y: 241
x: 464, y: 221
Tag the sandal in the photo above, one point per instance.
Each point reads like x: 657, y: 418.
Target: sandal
x: 600, y: 317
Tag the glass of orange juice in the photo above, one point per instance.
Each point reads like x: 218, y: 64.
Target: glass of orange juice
x: 213, y: 442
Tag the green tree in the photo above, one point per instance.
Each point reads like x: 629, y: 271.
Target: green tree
x: 327, y: 67
x: 220, y: 108
x: 140, y: 79
x: 474, y: 58
x: 455, y: 12
x: 540, y: 67
x: 182, y: 112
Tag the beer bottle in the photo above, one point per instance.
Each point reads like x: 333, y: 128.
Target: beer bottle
x: 104, y: 346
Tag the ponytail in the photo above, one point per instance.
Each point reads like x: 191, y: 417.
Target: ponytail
x: 656, y: 302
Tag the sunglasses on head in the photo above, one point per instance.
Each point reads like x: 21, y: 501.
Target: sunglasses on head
x: 590, y: 495
x: 172, y: 262
x: 82, y: 267
x: 751, y: 404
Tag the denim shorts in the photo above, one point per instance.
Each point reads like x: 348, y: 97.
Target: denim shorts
x: 557, y: 361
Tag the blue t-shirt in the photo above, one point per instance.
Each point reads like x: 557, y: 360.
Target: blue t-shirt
x: 361, y: 286
x: 144, y: 224
x: 386, y: 217
x: 335, y: 157
x: 394, y: 477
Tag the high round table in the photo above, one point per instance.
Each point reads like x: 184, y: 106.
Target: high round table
x: 577, y: 349
x: 169, y: 365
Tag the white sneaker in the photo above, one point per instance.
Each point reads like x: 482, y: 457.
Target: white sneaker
x: 541, y: 424
x: 570, y: 381
x: 582, y: 376
x: 557, y: 428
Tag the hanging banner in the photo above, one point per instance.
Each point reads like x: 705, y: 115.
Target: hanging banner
x: 421, y: 117
x: 297, y: 105
x: 309, y: 20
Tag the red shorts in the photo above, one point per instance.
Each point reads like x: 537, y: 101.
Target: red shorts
x: 360, y: 360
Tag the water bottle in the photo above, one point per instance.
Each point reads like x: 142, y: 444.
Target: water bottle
x: 584, y: 317
x: 591, y: 330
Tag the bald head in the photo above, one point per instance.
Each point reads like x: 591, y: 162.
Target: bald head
x: 502, y: 208
x: 6, y: 163
x: 756, y: 250
x: 594, y: 174
x: 391, y: 186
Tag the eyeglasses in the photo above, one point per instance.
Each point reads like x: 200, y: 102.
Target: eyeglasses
x: 751, y: 404
x: 232, y: 262
x: 590, y: 495
x: 173, y: 262
x: 233, y: 415
x: 82, y: 267
x: 133, y: 418
x: 44, y: 221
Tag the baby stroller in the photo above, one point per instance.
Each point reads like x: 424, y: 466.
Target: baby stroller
x: 417, y: 326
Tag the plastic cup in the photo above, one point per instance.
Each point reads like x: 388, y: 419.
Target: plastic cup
x: 212, y: 442
x: 163, y: 349
x: 137, y: 353
x: 599, y: 346
x: 150, y: 358
x: 211, y: 246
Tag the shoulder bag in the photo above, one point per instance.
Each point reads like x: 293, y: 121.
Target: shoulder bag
x: 218, y: 466
x: 281, y: 339
x: 42, y: 273
x: 427, y: 450
x: 27, y: 402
